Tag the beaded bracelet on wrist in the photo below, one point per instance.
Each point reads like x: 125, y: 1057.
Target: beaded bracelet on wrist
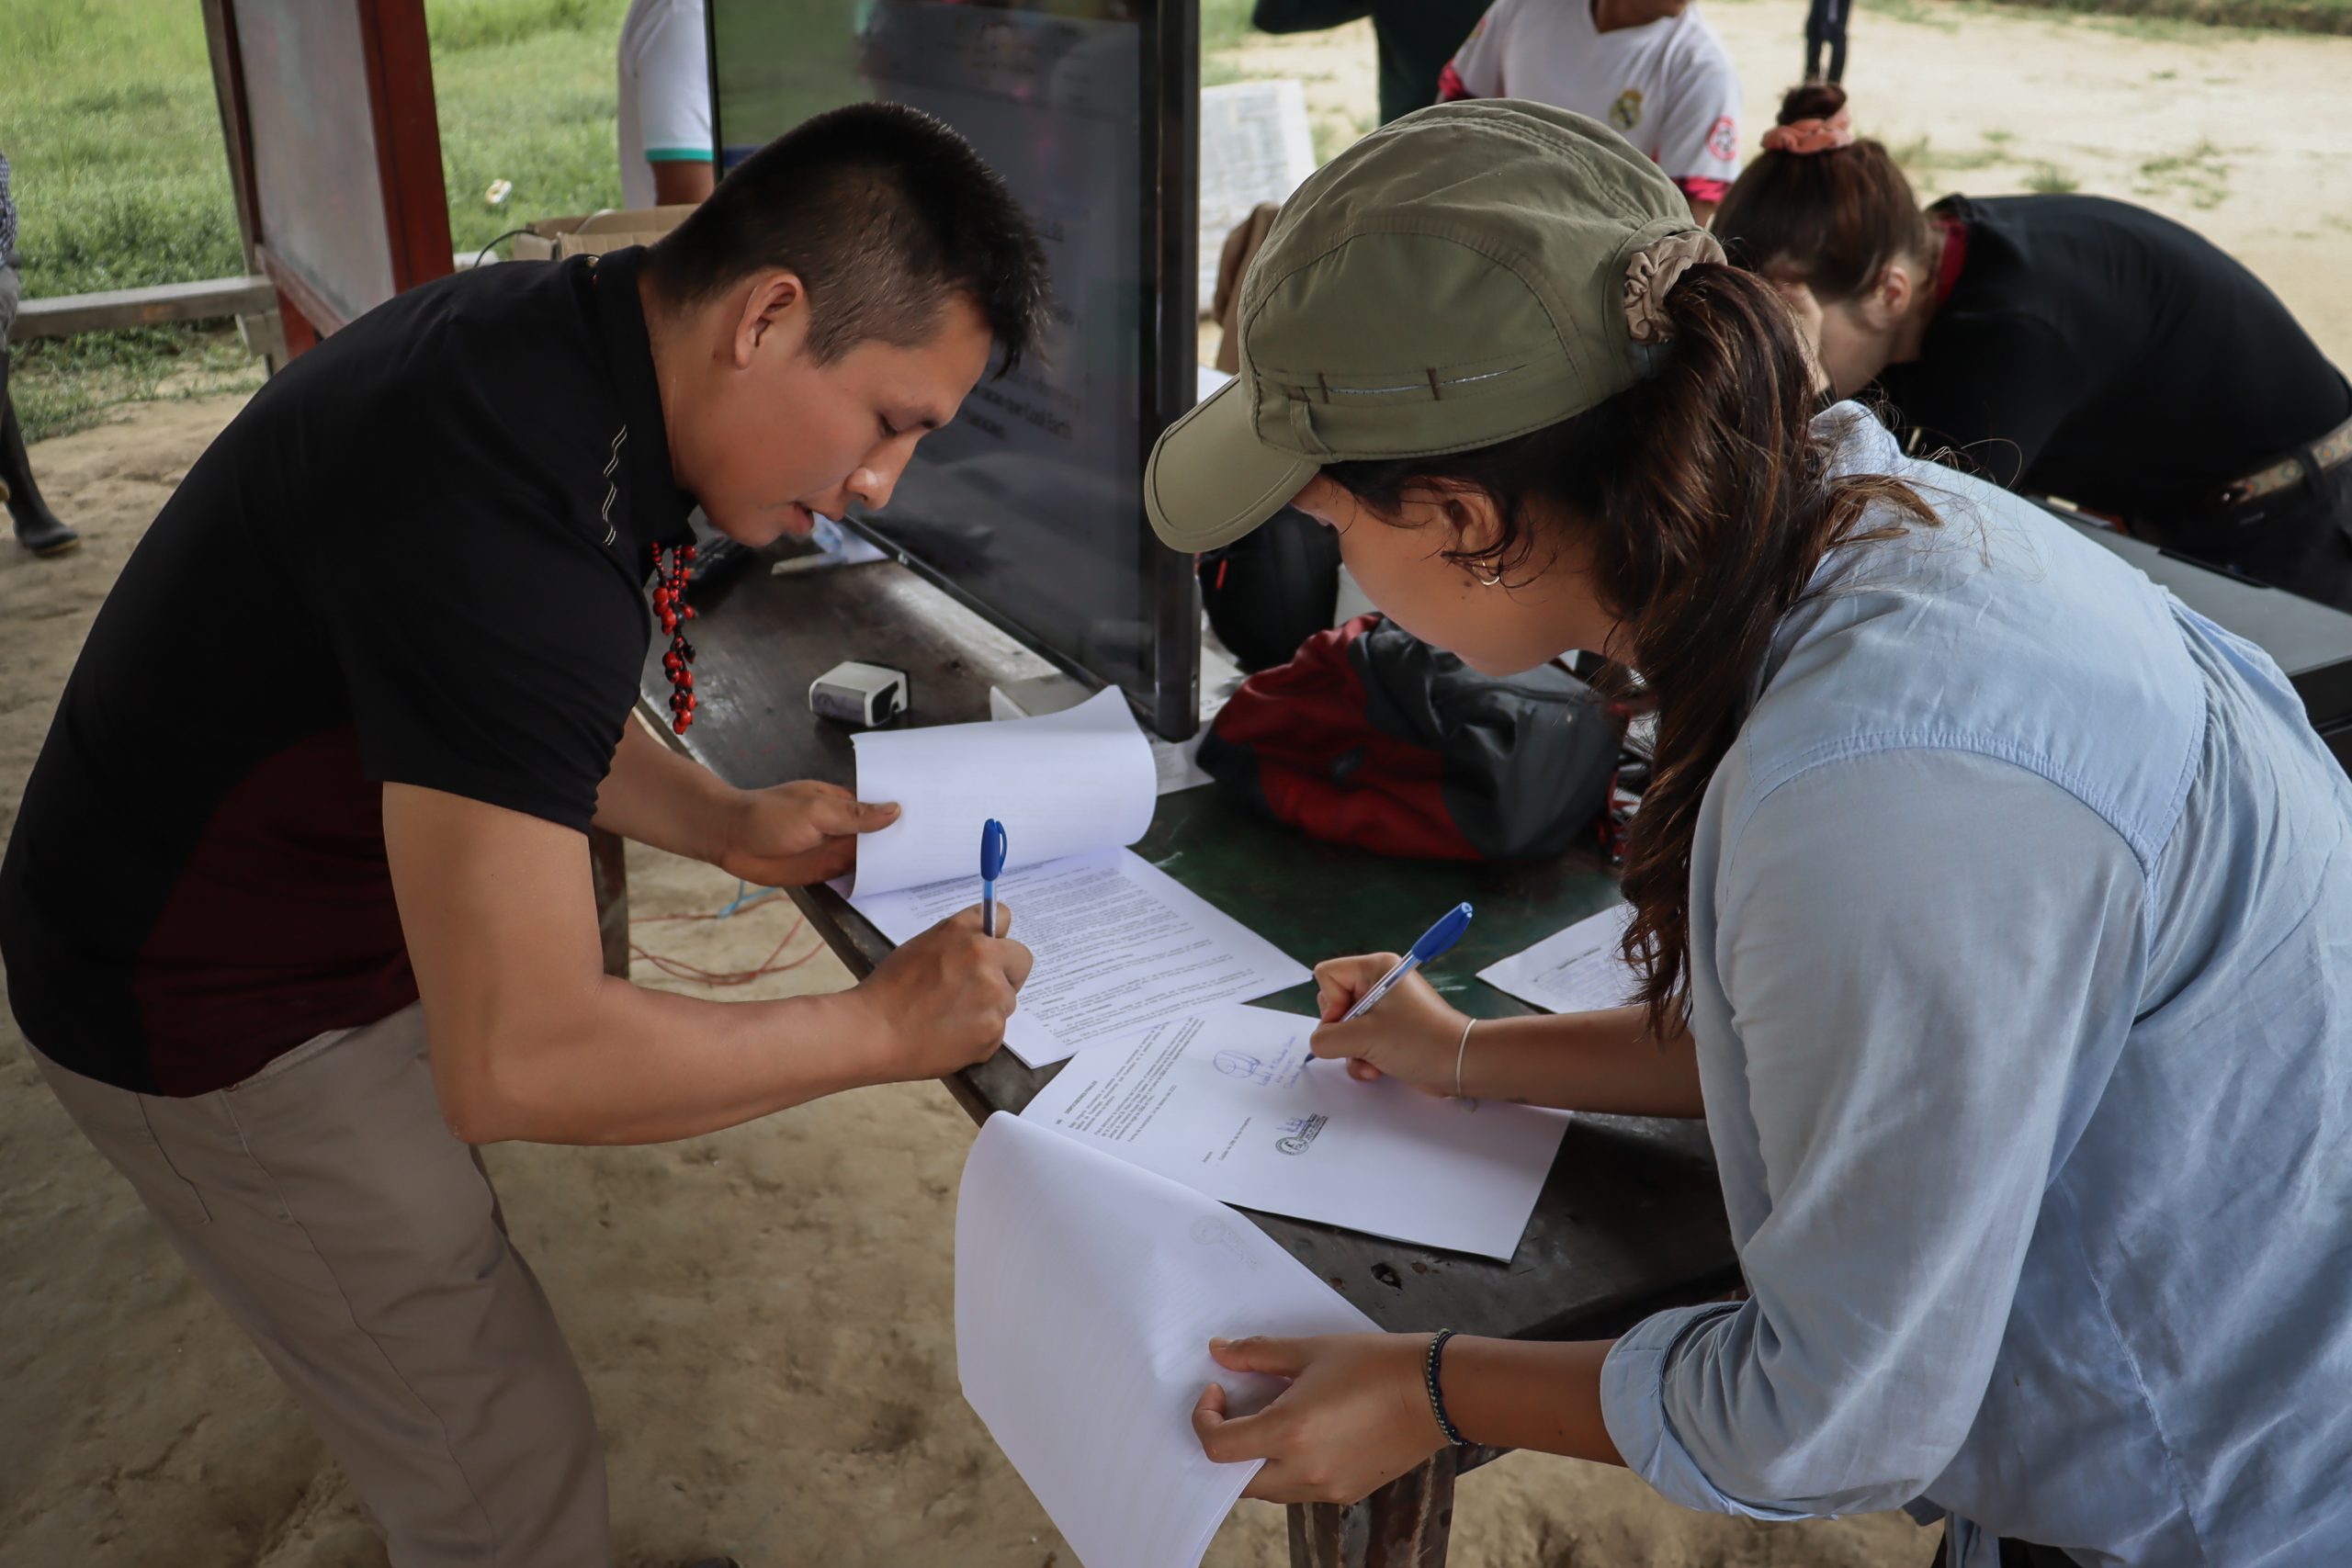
x: 1437, y: 1397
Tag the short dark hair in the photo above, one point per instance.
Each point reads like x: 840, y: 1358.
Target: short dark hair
x: 885, y: 214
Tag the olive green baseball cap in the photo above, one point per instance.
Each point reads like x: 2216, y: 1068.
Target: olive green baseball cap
x: 1455, y: 279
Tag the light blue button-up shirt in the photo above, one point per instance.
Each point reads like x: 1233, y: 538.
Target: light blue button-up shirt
x: 2021, y: 987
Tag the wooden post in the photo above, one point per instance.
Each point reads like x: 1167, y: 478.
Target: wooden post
x: 608, y: 868
x: 1406, y: 1523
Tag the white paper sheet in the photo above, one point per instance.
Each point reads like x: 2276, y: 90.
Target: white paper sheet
x: 1577, y: 970
x: 1064, y: 784
x: 1178, y: 761
x: 1229, y: 1101
x: 1086, y: 1293
x: 1119, y: 945
x: 1256, y: 146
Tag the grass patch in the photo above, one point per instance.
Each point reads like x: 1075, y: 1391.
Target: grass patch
x: 2201, y: 173
x: 2049, y: 179
x: 2273, y: 15
x: 1334, y: 134
x: 526, y: 94
x: 1225, y: 24
x: 121, y: 180
x: 1918, y: 13
x: 1920, y: 156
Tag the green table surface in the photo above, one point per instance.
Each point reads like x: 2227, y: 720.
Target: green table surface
x: 1630, y: 1217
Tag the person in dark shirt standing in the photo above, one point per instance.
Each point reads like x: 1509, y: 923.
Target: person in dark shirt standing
x: 298, y: 907
x: 2066, y: 345
x: 1415, y: 39
x: 38, y: 528
x: 1825, y: 28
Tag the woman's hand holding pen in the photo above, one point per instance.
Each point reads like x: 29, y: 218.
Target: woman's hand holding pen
x: 1412, y: 1035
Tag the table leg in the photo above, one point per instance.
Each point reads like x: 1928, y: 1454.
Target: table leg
x: 1406, y: 1523
x: 608, y: 868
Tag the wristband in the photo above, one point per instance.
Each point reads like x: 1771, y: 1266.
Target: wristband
x: 1437, y: 1396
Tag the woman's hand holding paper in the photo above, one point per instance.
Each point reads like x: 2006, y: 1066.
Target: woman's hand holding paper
x: 1411, y: 1035
x: 1355, y: 1417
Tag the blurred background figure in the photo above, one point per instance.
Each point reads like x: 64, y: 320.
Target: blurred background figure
x: 1651, y: 70
x: 2066, y: 345
x: 1415, y: 39
x: 1824, y: 26
x: 667, y: 151
x: 37, y: 526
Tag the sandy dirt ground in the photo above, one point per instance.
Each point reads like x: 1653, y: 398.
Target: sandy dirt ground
x: 763, y: 1316
x: 1988, y: 99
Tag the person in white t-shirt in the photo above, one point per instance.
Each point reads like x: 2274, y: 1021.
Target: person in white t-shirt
x: 1651, y: 70
x: 666, y: 144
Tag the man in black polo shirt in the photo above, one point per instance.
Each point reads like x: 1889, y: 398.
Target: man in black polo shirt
x: 335, y: 741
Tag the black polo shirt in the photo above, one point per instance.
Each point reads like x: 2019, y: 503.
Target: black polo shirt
x: 418, y: 555
x: 2094, y: 350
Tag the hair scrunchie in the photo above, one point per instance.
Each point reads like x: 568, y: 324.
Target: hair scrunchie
x: 1652, y: 274
x: 1805, y: 137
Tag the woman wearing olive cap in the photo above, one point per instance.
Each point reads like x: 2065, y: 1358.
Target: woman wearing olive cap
x: 1988, y: 904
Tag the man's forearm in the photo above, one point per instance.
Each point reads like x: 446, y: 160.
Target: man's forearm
x: 625, y: 1065
x: 655, y: 795
x: 1605, y: 1062
x: 1307, y: 15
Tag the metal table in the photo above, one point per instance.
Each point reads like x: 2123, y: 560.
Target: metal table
x: 1631, y: 1218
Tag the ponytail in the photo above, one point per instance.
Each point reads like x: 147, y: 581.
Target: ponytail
x: 1707, y: 533
x: 1704, y: 501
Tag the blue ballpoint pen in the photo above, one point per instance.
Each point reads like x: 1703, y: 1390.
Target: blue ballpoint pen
x: 1434, y: 942
x: 991, y: 866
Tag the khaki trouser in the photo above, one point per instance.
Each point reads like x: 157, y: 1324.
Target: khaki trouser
x: 326, y: 1205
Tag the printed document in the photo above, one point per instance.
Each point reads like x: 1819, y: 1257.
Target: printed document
x: 1119, y: 943
x: 1087, y: 1290
x: 1229, y: 1101
x: 1579, y: 970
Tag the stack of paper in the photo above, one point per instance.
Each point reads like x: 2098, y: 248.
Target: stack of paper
x: 1119, y: 945
x: 1086, y: 1293
x: 1256, y: 145
x: 1230, y: 1102
x: 1581, y: 969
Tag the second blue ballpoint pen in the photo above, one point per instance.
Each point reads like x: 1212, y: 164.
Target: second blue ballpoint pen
x: 1434, y: 942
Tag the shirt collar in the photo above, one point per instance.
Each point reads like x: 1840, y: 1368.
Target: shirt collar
x: 659, y: 508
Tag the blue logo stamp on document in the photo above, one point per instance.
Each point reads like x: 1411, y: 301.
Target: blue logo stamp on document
x: 1300, y: 1131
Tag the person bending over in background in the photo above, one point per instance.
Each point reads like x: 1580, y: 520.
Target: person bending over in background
x: 1415, y: 39
x: 298, y: 907
x: 668, y: 151
x: 1988, y: 905
x: 2067, y: 345
x: 38, y: 528
x: 1653, y: 71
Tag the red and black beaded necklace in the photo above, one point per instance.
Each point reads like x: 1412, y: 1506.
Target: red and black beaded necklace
x: 670, y: 576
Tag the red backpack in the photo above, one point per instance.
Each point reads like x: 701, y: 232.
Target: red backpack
x: 1370, y: 736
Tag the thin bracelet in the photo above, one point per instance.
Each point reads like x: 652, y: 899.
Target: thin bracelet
x: 1459, y: 1053
x: 1437, y: 1397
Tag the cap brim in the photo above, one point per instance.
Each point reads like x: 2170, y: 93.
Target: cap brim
x: 1210, y: 480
